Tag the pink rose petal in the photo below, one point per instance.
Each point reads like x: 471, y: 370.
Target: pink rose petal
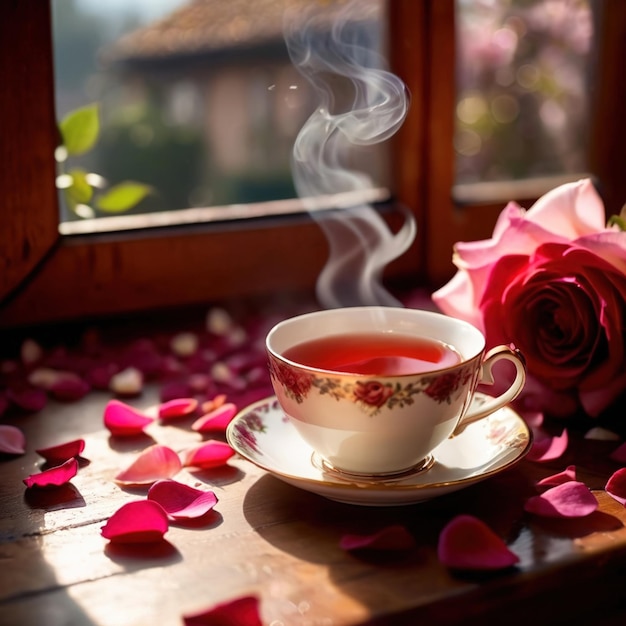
x: 123, y: 420
x: 30, y: 399
x: 70, y: 388
x: 242, y: 611
x: 548, y: 448
x: 395, y: 537
x: 616, y: 486
x: 467, y: 543
x: 55, y: 476
x: 12, y: 440
x: 213, y: 403
x: 181, y: 501
x: 570, y: 499
x: 619, y: 454
x: 207, y: 455
x: 154, y: 463
x: 127, y: 383
x: 63, y: 451
x: 217, y: 419
x: 179, y: 407
x: 143, y: 521
x: 568, y: 474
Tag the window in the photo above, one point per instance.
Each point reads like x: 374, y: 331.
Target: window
x: 46, y: 276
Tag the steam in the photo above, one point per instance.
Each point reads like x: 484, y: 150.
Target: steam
x: 330, y: 52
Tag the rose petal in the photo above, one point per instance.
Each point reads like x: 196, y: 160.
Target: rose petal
x: 616, y: 485
x: 467, y: 543
x: 55, y: 476
x: 63, y: 451
x: 565, y: 476
x: 242, y: 611
x: 12, y: 440
x: 207, y: 455
x: 179, y: 407
x: 123, y: 420
x: 128, y: 382
x: 181, y: 501
x: 548, y: 448
x: 601, y: 434
x: 154, y: 463
x: 213, y: 403
x: 619, y: 454
x: 69, y: 388
x: 570, y: 499
x: 395, y: 537
x: 216, y: 420
x: 143, y: 521
x: 29, y: 399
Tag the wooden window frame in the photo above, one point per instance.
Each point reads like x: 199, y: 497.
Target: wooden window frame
x: 46, y: 277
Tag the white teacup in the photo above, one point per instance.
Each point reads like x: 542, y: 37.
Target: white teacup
x: 383, y: 416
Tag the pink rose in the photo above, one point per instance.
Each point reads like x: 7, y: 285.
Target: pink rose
x: 373, y: 393
x: 552, y: 281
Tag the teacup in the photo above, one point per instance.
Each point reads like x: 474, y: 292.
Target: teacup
x: 374, y: 390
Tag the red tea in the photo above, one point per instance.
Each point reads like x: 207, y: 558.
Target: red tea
x: 383, y: 354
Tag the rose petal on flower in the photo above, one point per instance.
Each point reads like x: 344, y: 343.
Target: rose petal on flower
x: 181, y: 501
x: 392, y: 538
x: 53, y: 477
x: 179, y: 407
x: 12, y: 440
x: 568, y: 474
x: 210, y: 454
x: 143, y: 521
x: 570, y: 499
x: 601, y: 434
x: 467, y: 543
x: 619, y: 454
x: 548, y: 448
x: 216, y: 420
x: 616, y: 485
x: 123, y: 420
x: 242, y: 611
x: 62, y: 451
x: 128, y: 382
x: 154, y: 463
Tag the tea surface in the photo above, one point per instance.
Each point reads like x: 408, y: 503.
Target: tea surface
x: 383, y: 354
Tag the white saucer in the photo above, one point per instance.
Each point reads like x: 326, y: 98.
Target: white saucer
x: 263, y: 434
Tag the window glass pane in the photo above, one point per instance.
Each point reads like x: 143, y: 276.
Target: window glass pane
x: 523, y: 88
x: 198, y: 101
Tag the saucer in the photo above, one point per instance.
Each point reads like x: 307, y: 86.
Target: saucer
x: 263, y: 434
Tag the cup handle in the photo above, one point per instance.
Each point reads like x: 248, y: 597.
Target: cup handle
x: 486, y: 376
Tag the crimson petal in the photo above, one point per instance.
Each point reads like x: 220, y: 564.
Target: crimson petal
x: 123, y: 420
x: 242, y: 611
x: 616, y: 485
x: 217, y: 419
x: 570, y: 499
x: 143, y: 521
x: 569, y: 473
x: 179, y: 407
x: 154, y: 463
x: 467, y: 543
x: 181, y: 501
x: 395, y: 537
x: 548, y: 448
x: 55, y: 476
x: 12, y: 440
x: 63, y: 451
x: 619, y: 454
x: 210, y: 454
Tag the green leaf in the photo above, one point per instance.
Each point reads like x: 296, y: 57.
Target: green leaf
x: 617, y: 220
x: 80, y: 190
x: 123, y: 197
x: 80, y: 129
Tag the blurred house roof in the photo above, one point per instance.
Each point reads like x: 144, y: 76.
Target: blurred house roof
x: 208, y: 26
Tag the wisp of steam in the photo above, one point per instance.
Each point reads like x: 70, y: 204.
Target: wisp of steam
x: 330, y: 51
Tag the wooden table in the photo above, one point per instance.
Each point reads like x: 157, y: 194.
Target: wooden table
x: 282, y: 544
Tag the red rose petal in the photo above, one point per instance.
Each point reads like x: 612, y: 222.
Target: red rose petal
x: 63, y: 451
x: 55, y: 476
x: 12, y: 440
x: 143, y: 521
x: 616, y: 486
x: 123, y: 420
x: 565, y: 476
x: 242, y: 611
x: 217, y: 419
x: 154, y: 463
x: 548, y: 448
x: 179, y: 407
x: 30, y: 399
x: 570, y: 499
x: 181, y: 501
x: 207, y: 455
x: 467, y: 543
x: 395, y: 537
x: 69, y: 388
x: 619, y: 454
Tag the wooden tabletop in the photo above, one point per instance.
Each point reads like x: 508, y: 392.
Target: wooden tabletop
x: 281, y: 544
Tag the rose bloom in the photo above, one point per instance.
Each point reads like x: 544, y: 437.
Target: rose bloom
x: 551, y: 281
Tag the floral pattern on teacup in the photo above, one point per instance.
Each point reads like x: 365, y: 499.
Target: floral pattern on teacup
x: 296, y: 384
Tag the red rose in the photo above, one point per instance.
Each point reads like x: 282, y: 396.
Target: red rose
x: 373, y: 393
